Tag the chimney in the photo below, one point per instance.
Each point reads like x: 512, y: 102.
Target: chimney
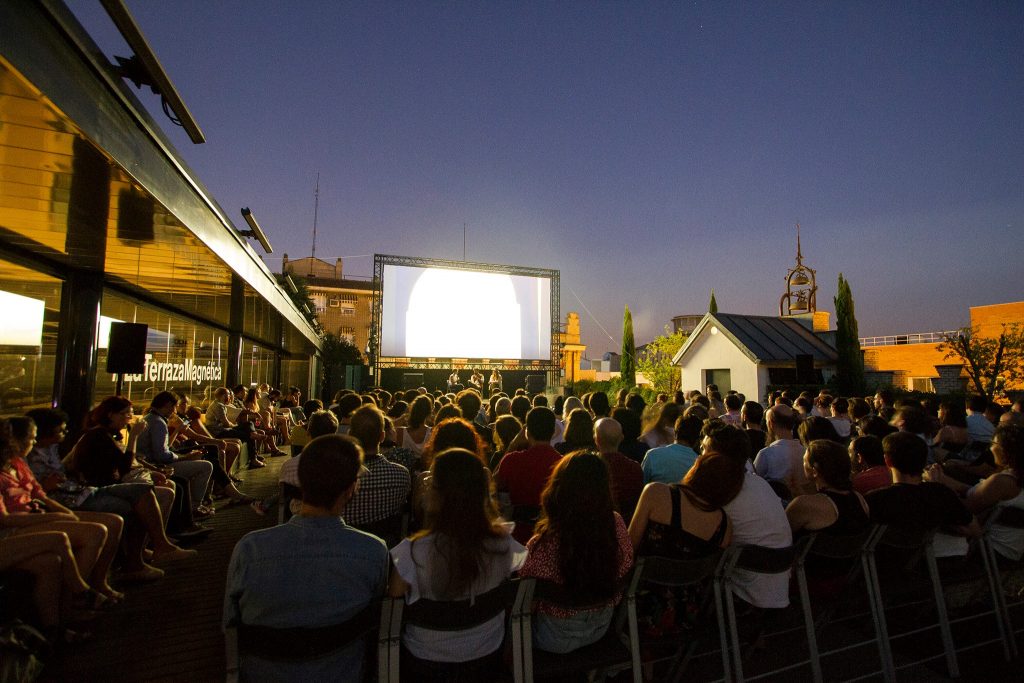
x: 337, y: 269
x: 284, y: 264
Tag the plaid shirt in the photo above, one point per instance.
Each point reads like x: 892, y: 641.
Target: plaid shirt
x: 383, y: 489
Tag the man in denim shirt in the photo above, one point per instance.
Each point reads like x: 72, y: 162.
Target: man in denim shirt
x: 312, y: 573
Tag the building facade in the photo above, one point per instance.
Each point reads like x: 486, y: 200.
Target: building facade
x: 101, y: 222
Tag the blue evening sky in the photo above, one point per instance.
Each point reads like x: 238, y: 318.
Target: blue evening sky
x: 648, y: 150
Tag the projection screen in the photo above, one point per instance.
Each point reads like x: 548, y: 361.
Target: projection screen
x: 435, y: 312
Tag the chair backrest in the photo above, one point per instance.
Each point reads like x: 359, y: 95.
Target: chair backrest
x: 901, y: 537
x: 838, y: 547
x: 459, y: 615
x: 297, y: 644
x: 762, y: 560
x: 1006, y: 516
x: 665, y: 571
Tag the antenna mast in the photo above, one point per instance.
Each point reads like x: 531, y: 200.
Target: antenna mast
x: 316, y: 210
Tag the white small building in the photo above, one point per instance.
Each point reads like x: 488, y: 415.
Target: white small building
x: 749, y: 353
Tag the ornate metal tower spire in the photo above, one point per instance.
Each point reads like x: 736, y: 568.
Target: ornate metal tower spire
x: 801, y: 288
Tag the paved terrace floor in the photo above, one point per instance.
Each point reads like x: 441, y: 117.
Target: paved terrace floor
x: 169, y: 630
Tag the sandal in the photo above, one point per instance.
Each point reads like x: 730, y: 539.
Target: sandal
x: 89, y: 600
x: 114, y: 597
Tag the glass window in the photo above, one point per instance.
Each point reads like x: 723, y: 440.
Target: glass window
x: 30, y: 302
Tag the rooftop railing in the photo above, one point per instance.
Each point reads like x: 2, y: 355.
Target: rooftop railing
x: 900, y: 339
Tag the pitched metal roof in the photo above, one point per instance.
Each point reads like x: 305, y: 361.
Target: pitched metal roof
x: 765, y: 339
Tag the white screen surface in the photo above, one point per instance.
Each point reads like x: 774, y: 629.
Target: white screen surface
x: 441, y: 313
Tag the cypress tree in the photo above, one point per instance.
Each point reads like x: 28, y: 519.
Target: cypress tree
x: 627, y: 364
x: 850, y: 362
x: 713, y: 305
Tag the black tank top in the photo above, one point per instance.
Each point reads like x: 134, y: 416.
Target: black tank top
x: 851, y: 519
x: 671, y: 540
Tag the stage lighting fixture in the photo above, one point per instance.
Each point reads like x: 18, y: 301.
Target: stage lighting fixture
x: 255, y: 231
x: 143, y: 68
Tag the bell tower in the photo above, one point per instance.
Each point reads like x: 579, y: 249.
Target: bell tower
x: 801, y: 288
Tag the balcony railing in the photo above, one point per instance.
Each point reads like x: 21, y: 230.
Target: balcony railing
x: 901, y: 339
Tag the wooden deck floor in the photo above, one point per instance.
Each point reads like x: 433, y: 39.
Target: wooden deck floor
x: 169, y: 630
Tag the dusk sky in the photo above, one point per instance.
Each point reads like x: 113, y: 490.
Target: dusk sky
x: 648, y: 151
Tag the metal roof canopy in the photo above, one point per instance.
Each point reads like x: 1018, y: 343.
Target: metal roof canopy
x: 764, y: 339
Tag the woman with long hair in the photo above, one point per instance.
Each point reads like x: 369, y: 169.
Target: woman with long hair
x: 579, y: 433
x: 1001, y: 489
x: 505, y: 429
x: 581, y: 543
x: 415, y: 432
x: 661, y: 432
x: 462, y: 552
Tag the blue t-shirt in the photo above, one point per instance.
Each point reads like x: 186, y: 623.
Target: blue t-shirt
x: 668, y: 464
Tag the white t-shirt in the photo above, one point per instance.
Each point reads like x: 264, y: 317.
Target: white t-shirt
x: 421, y: 566
x: 758, y: 518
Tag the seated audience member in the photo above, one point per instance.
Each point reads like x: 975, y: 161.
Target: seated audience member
x: 189, y: 426
x: 875, y: 426
x: 1001, y: 489
x: 600, y: 406
x: 782, y: 459
x: 637, y: 404
x: 868, y: 461
x: 499, y: 405
x: 803, y: 407
x: 631, y: 446
x: 320, y: 423
x: 840, y: 418
x: 822, y: 405
x: 505, y: 429
x: 222, y: 427
x: 102, y: 458
x: 813, y: 428
x: 858, y: 409
x: 979, y: 428
x: 579, y: 433
x: 521, y: 405
x: 732, y: 416
x: 383, y: 485
x: 462, y: 552
x: 415, y: 432
x: 626, y: 476
x: 523, y: 474
x: 669, y: 464
x: 751, y: 415
x: 717, y: 408
x: 346, y: 406
x: 470, y: 403
x: 300, y: 580
x: 662, y: 432
x: 687, y: 520
x: 153, y: 446
x: 582, y: 544
x: 93, y: 541
x: 299, y: 435
x: 952, y: 435
x: 920, y: 506
x: 757, y: 518
x: 836, y: 508
x: 134, y: 502
x: 884, y: 407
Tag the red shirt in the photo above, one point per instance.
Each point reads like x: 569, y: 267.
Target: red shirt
x: 18, y: 488
x: 877, y: 477
x: 627, y: 482
x: 524, y: 474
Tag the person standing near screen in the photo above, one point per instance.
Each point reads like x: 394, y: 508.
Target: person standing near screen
x: 453, y: 379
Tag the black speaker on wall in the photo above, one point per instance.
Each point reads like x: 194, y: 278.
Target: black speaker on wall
x: 536, y: 384
x: 804, y: 368
x: 412, y: 380
x: 126, y: 350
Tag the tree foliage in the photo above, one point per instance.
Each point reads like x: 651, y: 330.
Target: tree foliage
x: 991, y: 363
x: 850, y: 362
x: 712, y: 305
x: 627, y: 363
x: 335, y: 352
x: 656, y: 360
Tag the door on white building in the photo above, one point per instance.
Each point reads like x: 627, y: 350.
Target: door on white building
x: 720, y: 377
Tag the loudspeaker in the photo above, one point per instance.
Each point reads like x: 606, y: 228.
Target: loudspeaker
x: 126, y: 350
x: 804, y: 368
x: 535, y: 384
x: 412, y: 380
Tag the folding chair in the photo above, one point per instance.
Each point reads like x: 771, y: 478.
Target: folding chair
x: 612, y: 651
x: 854, y: 549
x: 439, y: 615
x: 759, y: 560
x: 261, y: 640
x: 914, y: 544
x: 663, y: 572
x: 1014, y: 519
